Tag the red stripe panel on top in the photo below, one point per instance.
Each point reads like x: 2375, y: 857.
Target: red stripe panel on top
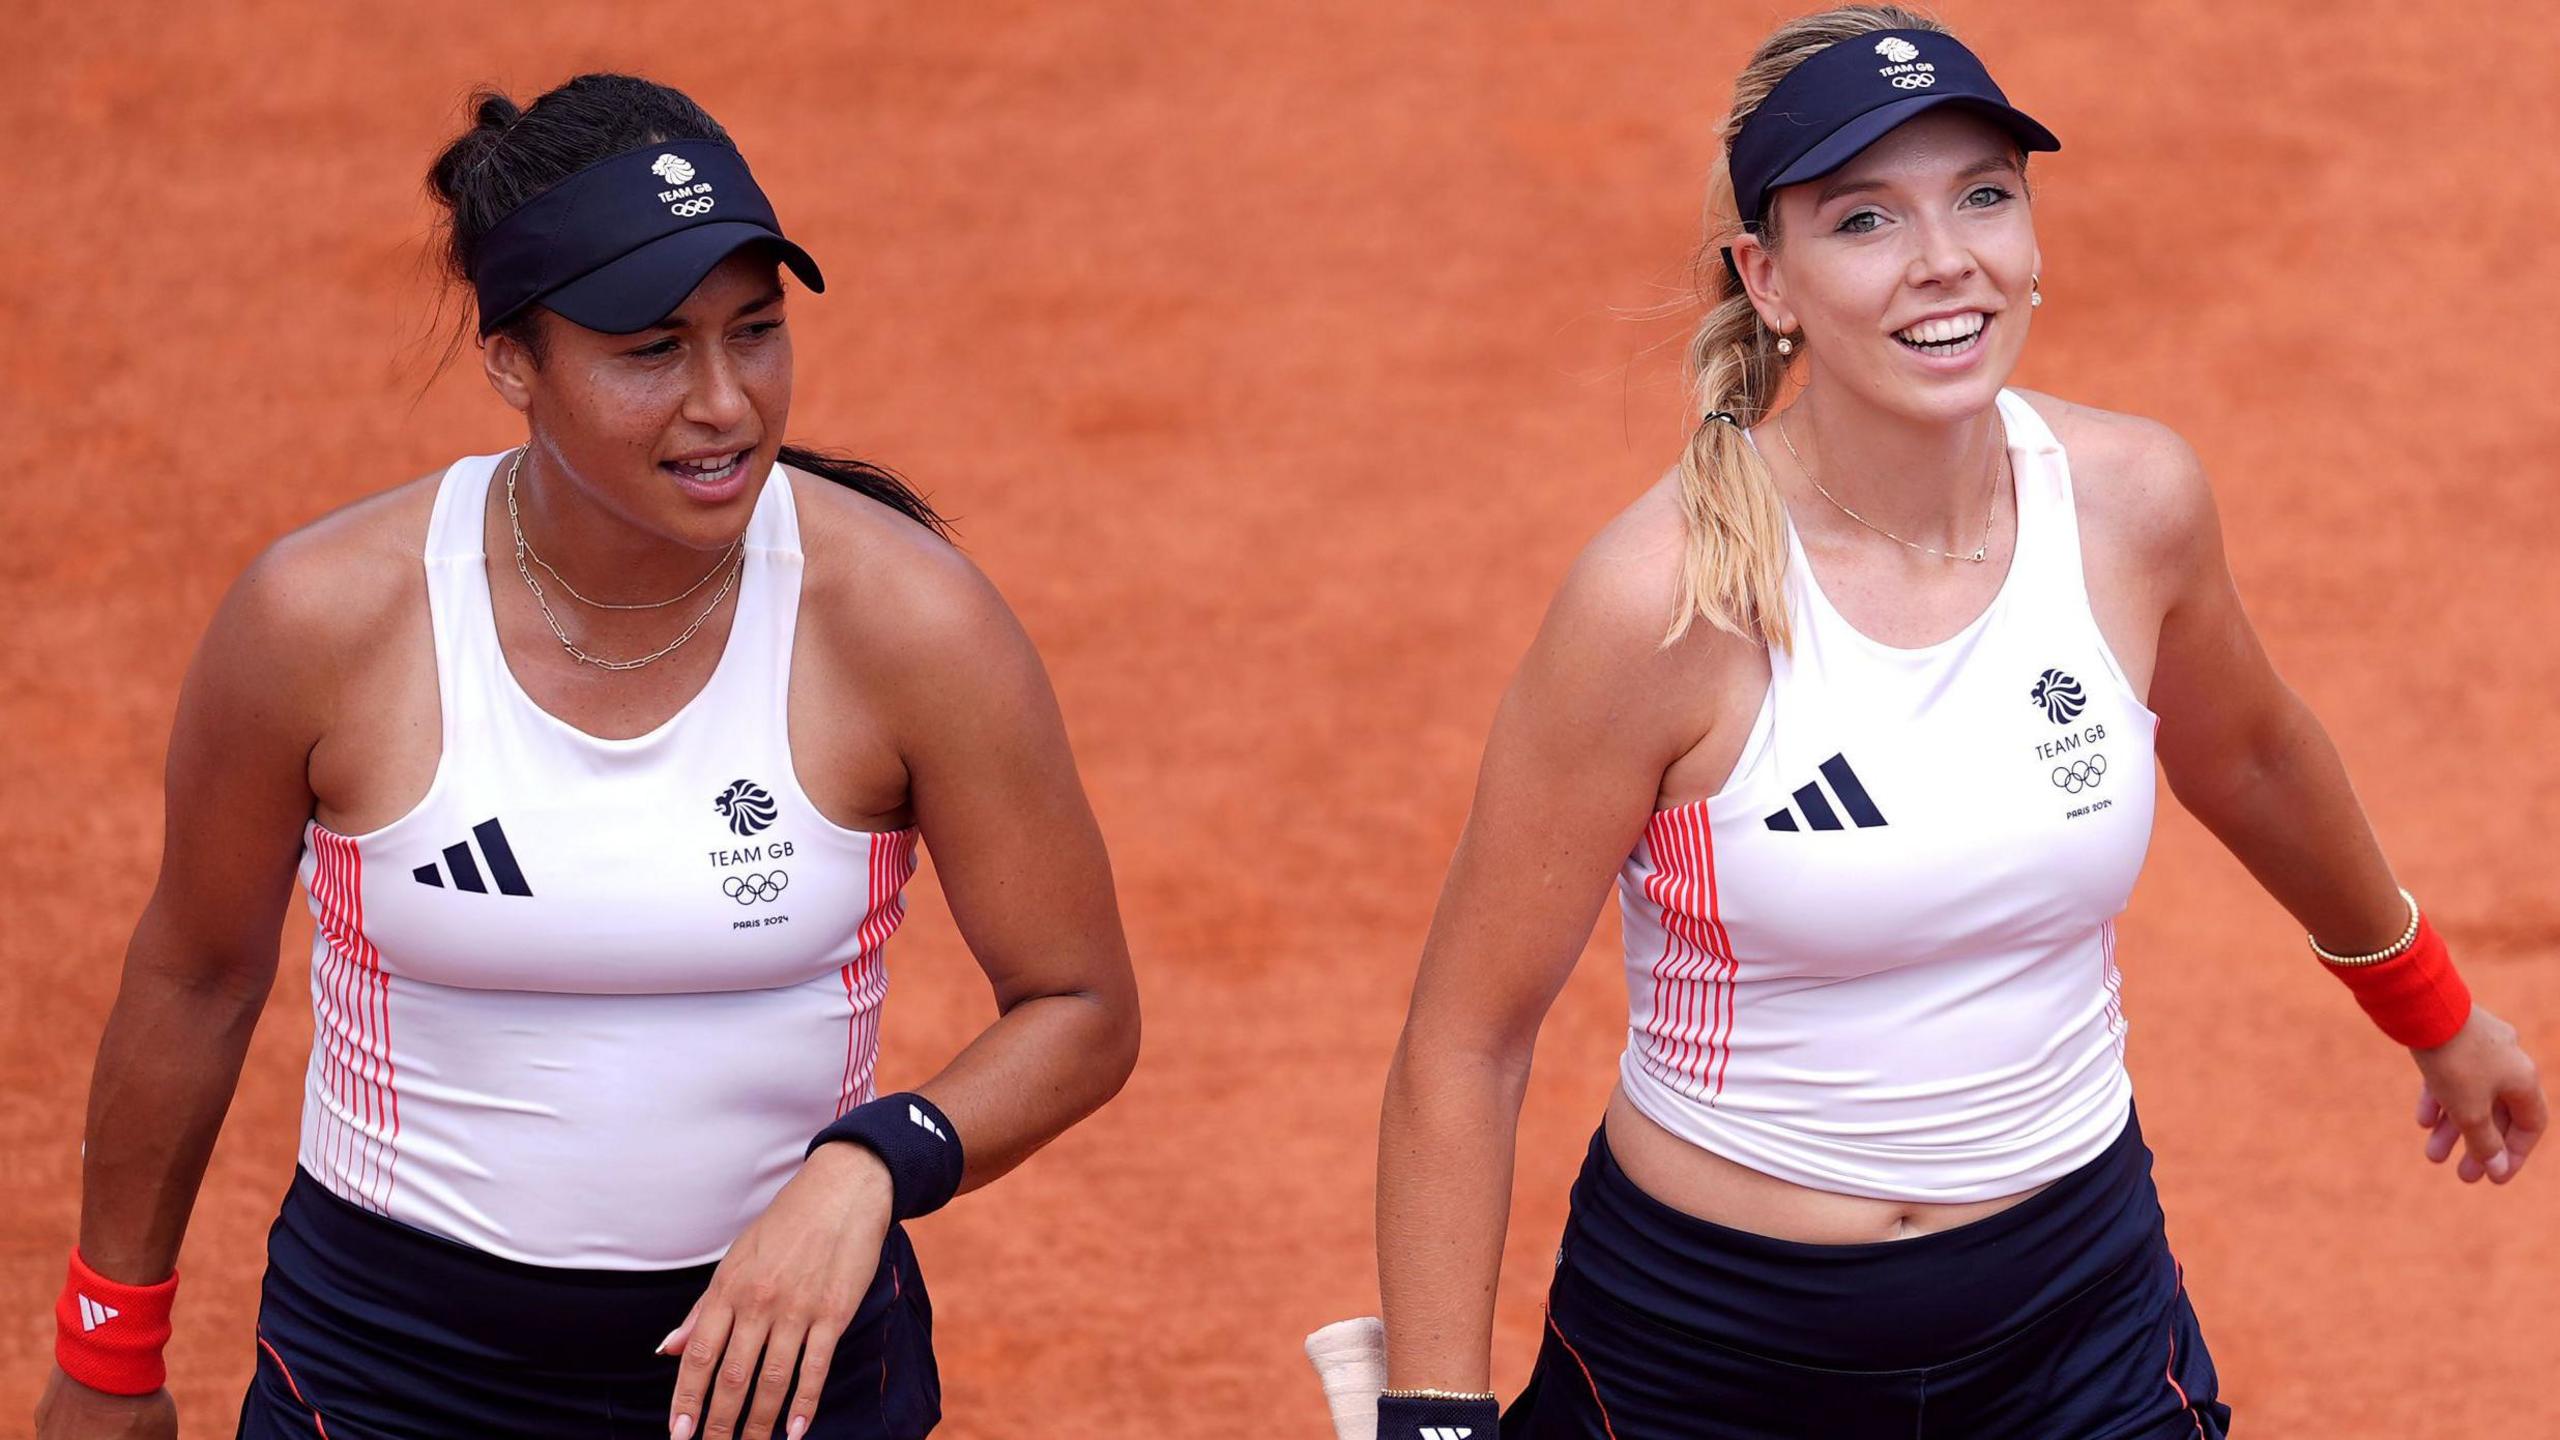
x: 335, y: 1021
x: 1662, y: 1054
x: 1671, y: 1047
x: 1662, y: 887
x: 1693, y: 1000
x: 358, y: 1025
x: 367, y: 1101
x: 1693, y: 977
x: 1723, y: 944
x: 382, y: 1020
x: 866, y: 977
x: 368, y: 1023
x: 332, y: 995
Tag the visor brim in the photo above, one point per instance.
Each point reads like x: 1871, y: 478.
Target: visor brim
x: 1842, y: 145
x: 644, y: 287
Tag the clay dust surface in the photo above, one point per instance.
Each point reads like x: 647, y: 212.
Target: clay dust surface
x: 1275, y: 360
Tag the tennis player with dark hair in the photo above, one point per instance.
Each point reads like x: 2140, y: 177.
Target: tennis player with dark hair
x: 604, y: 760
x: 1872, y: 807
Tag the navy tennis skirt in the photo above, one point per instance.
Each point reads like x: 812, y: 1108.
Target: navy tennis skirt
x: 2063, y: 1317
x: 371, y: 1328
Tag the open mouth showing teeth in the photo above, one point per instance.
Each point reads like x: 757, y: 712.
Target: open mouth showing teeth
x: 1952, y: 335
x: 706, y: 472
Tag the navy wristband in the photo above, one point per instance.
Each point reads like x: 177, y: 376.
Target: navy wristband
x: 915, y: 1140
x: 1413, y: 1417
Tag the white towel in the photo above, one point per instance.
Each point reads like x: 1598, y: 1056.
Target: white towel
x: 1350, y: 1357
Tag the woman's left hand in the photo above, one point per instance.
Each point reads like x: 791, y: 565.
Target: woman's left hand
x: 2483, y: 1093
x: 781, y: 1298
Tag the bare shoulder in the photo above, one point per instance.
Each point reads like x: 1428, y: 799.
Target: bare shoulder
x: 2135, y: 481
x: 1618, y: 601
x: 328, y: 590
x: 1602, y: 711
x: 883, y: 589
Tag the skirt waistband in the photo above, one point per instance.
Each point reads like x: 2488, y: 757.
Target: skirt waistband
x: 339, y: 1265
x: 1892, y: 1304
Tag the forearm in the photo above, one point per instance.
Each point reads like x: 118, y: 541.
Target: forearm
x: 2282, y: 804
x: 1446, y: 1141
x: 1046, y: 1063
x: 167, y: 1066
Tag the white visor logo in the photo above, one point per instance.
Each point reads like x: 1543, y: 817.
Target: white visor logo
x: 672, y: 169
x: 1899, y: 67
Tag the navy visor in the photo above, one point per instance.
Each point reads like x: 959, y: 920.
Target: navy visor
x: 617, y: 246
x: 1845, y: 97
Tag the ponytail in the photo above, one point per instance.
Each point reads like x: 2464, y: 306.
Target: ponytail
x: 1733, y: 574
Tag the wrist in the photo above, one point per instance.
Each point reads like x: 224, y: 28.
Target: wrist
x: 2410, y: 988
x: 2379, y: 940
x: 108, y: 1335
x: 1438, y: 1412
x: 913, y: 1143
x: 851, y: 1168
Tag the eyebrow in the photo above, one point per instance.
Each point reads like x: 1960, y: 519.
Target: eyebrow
x: 1994, y: 165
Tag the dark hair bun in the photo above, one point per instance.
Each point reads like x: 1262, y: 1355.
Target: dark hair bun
x: 450, y: 179
x: 493, y: 111
x: 512, y: 153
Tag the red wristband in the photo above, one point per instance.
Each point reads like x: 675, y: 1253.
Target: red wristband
x: 108, y: 1335
x: 2416, y: 996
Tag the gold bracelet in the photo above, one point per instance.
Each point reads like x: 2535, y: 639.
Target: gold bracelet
x: 1426, y: 1393
x: 2393, y: 951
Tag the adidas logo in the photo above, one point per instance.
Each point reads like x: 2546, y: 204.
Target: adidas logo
x: 1447, y: 1432
x: 93, y: 1314
x: 466, y: 870
x: 1816, y: 805
x: 916, y: 1113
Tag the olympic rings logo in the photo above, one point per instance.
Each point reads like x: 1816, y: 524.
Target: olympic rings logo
x: 2080, y: 775
x: 690, y: 208
x: 748, y: 889
x: 1914, y: 82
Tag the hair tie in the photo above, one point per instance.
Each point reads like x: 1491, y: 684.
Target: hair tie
x: 1724, y: 415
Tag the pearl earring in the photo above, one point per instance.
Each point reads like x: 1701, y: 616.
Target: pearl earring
x: 2035, y: 291
x: 1786, y: 346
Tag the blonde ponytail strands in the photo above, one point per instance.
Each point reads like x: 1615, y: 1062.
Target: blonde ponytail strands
x: 1734, y: 574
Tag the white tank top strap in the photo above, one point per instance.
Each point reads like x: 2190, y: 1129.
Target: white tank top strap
x: 2049, y: 512
x: 466, y: 634
x: 773, y: 547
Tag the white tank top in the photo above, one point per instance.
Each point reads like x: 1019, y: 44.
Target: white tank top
x: 587, y: 1002
x: 1881, y: 961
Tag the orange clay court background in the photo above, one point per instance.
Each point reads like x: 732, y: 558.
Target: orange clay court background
x: 1275, y: 360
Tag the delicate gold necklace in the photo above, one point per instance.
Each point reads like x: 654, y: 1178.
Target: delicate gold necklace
x: 735, y: 564
x: 536, y: 556
x: 1990, y: 501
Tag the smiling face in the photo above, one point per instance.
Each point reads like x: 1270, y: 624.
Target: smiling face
x: 1904, y: 274
x: 671, y: 429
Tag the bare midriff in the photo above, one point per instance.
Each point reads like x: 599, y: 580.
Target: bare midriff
x: 1710, y: 1187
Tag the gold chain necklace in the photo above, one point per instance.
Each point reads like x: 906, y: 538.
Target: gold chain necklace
x: 527, y: 547
x: 734, y: 565
x: 1990, y: 501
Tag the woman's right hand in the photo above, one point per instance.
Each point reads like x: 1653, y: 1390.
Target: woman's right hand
x: 73, y: 1411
